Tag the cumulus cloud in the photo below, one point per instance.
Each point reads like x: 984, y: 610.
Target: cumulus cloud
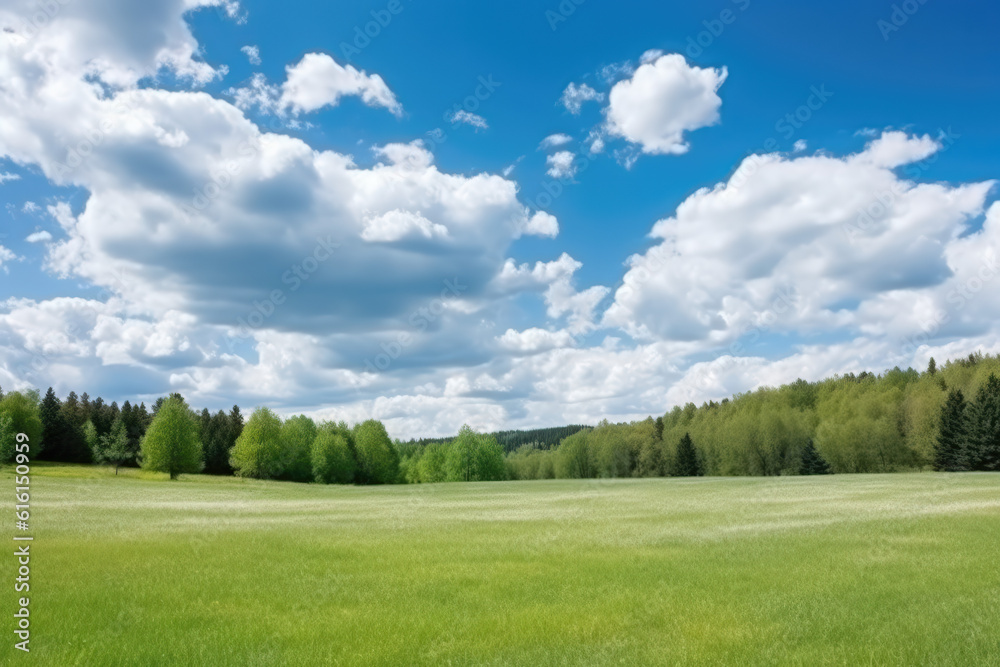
x: 318, y: 80
x: 542, y: 224
x: 315, y: 82
x: 86, y: 39
x: 534, y: 340
x: 574, y: 97
x: 241, y: 265
x: 396, y: 225
x: 561, y: 296
x: 821, y: 244
x: 662, y: 101
x: 561, y: 165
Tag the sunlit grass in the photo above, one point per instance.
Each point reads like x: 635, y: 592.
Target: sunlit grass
x: 875, y: 569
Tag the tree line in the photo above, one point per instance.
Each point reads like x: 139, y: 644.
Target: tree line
x: 894, y: 421
x: 899, y: 420
x: 511, y: 440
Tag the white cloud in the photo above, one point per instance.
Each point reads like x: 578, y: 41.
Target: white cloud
x: 554, y: 141
x: 542, y: 224
x: 396, y: 225
x: 651, y: 56
x: 596, y: 139
x: 509, y: 169
x: 574, y: 97
x: 318, y: 80
x: 252, y: 52
x: 6, y: 257
x: 561, y: 165
x: 534, y: 340
x: 800, y: 146
x: 257, y: 93
x: 87, y: 38
x: 8, y: 176
x: 192, y: 216
x: 30, y: 207
x: 894, y: 149
x: 561, y: 297
x: 823, y: 244
x: 39, y: 237
x: 464, y: 117
x: 663, y: 100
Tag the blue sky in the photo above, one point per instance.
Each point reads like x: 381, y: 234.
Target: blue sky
x: 629, y: 292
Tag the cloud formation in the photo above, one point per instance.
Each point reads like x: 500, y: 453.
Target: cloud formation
x: 664, y: 99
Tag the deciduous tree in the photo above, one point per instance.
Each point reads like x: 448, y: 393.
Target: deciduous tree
x: 171, y: 443
x: 257, y: 452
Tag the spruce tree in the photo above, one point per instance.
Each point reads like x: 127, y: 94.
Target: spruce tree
x: 217, y: 443
x: 950, y: 451
x: 687, y: 463
x: 984, y: 427
x: 54, y: 427
x: 235, y: 423
x: 114, y: 447
x: 812, y: 462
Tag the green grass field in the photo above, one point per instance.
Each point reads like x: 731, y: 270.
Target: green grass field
x: 847, y: 570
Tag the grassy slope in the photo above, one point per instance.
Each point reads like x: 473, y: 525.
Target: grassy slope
x: 871, y: 569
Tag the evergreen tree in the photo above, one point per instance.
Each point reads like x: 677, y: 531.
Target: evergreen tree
x: 71, y: 408
x: 85, y: 406
x: 114, y: 447
x: 99, y: 415
x: 658, y: 429
x: 217, y: 443
x: 687, y: 463
x: 235, y: 422
x: 812, y: 462
x: 143, y: 420
x: 951, y: 450
x: 171, y: 443
x: 204, y: 420
x: 931, y: 367
x: 134, y: 418
x: 984, y: 427
x: 55, y: 428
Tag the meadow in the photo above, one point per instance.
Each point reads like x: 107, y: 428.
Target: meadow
x: 136, y: 569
